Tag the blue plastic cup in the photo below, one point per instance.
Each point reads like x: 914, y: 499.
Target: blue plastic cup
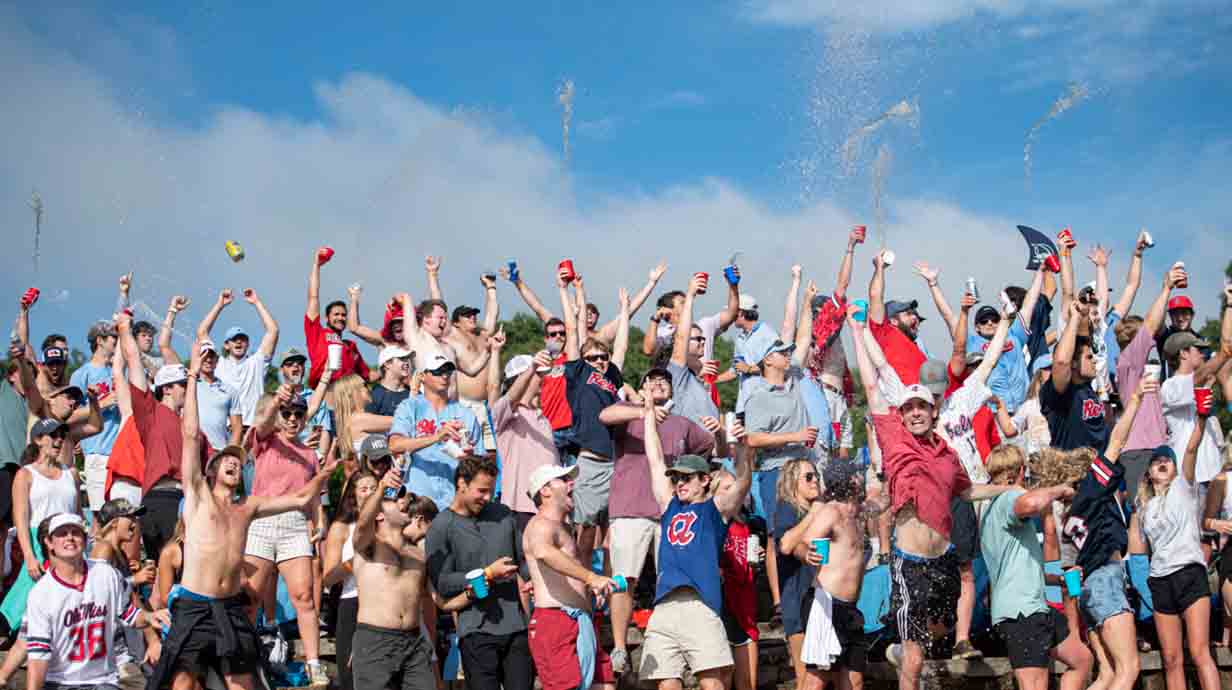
x: 622, y: 585
x: 1073, y: 581
x: 479, y: 583
x: 861, y: 315
x: 513, y: 271
x: 729, y: 272
x: 822, y: 547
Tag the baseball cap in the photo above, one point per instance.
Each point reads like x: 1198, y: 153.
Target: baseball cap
x: 233, y: 451
x: 544, y: 474
x: 54, y: 355
x: 436, y: 360
x: 916, y: 391
x: 986, y: 312
x: 118, y: 508
x: 1042, y: 362
x: 233, y: 333
x: 517, y: 365
x: 290, y: 354
x: 778, y: 346
x: 934, y: 376
x: 839, y: 472
x: 895, y: 307
x: 63, y: 519
x: 71, y: 390
x: 208, y: 346
x: 170, y: 373
x: 43, y: 427
x: 689, y: 464
x: 393, y: 352
x: 1182, y: 341
x: 374, y: 447
x: 463, y: 312
x: 818, y: 302
x: 1163, y: 452
x: 748, y: 302
x: 1180, y: 302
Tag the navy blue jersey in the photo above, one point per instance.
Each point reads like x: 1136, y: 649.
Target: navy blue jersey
x: 1097, y: 522
x: 689, y: 550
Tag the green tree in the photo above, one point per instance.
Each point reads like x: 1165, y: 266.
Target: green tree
x: 1210, y: 332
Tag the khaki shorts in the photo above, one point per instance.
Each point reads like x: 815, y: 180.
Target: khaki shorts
x: 480, y: 409
x: 96, y: 479
x: 279, y: 537
x: 632, y: 540
x: 683, y: 632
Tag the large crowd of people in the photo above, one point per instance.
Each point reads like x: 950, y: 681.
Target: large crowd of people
x: 1061, y: 469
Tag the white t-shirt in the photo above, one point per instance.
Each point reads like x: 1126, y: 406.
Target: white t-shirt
x: 72, y: 629
x: 1033, y: 433
x: 1170, y: 525
x: 709, y: 326
x: 1176, y: 397
x: 955, y: 425
x: 247, y: 378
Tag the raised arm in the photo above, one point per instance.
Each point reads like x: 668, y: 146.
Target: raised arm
x: 126, y: 343
x: 1038, y: 500
x: 491, y: 305
x: 313, y: 310
x: 993, y: 353
x: 684, y: 325
x: 788, y: 330
x: 1133, y: 281
x: 868, y: 373
x: 496, y: 374
x: 432, y: 266
x: 728, y: 316
x: 1067, y: 272
x: 207, y: 324
x: 365, y: 523
x: 876, y: 290
x: 930, y: 276
x: 317, y: 399
x: 1154, y: 319
x: 126, y: 284
x: 269, y: 341
x: 856, y: 236
x: 23, y: 327
x: 620, y: 347
x: 1033, y: 293
x: 607, y: 332
x: 729, y: 499
x: 1206, y: 373
x: 1099, y: 257
x: 1190, y: 461
x: 119, y: 383
x: 364, y: 333
x: 573, y: 345
x: 661, y: 485
x: 191, y: 470
x: 1120, y: 432
x: 263, y: 422
x: 583, y: 331
x: 531, y: 299
x: 804, y: 329
x: 958, y: 353
x: 165, y: 349
x: 1063, y: 356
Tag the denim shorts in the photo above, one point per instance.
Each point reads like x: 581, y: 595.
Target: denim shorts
x: 766, y: 496
x: 1103, y: 593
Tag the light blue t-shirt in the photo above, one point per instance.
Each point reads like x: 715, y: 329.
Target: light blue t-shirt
x: 749, y: 348
x: 1015, y: 560
x: 1010, y: 378
x: 216, y: 402
x: 431, y: 469
x: 814, y: 397
x: 91, y: 375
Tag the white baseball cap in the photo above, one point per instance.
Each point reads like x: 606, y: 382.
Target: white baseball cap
x: 748, y: 302
x: 435, y: 361
x: 63, y: 519
x: 170, y: 373
x: 919, y: 392
x: 544, y: 475
x: 517, y: 365
x: 393, y: 352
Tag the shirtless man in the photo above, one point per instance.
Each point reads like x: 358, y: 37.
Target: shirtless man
x: 425, y: 336
x: 210, y: 627
x: 467, y: 335
x: 840, y: 517
x: 389, y: 649
x: 562, y: 587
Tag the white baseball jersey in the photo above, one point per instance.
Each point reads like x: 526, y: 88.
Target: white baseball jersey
x: 72, y: 628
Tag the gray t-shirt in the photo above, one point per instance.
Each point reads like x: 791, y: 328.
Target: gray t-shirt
x: 1015, y: 560
x: 457, y: 544
x: 1170, y: 526
x: 777, y: 410
x: 690, y: 396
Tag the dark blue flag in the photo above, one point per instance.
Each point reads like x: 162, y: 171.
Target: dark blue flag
x: 1039, y: 247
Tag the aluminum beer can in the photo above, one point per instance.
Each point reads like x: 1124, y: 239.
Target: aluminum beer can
x: 754, y: 546
x: 234, y: 250
x: 972, y: 288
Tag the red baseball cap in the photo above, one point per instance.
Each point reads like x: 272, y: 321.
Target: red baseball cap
x: 1180, y: 302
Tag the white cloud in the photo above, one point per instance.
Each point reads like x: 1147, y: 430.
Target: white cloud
x: 385, y: 178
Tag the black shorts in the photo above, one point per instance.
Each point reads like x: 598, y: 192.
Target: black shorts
x: 1030, y: 639
x: 849, y: 628
x: 965, y: 534
x: 1225, y: 562
x: 1172, y: 594
x: 923, y: 591
x: 199, y: 642
x: 736, y: 636
x: 385, y: 658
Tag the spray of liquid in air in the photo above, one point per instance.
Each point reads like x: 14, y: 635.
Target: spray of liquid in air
x: 1074, y: 94
x: 564, y: 96
x: 36, y: 204
x: 881, y: 169
x: 905, y: 110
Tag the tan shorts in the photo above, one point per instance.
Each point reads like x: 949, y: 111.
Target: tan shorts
x: 683, y: 632
x: 279, y: 537
x: 480, y: 409
x: 632, y: 540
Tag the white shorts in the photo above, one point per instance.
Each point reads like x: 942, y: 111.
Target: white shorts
x: 122, y: 488
x: 632, y: 540
x: 96, y: 479
x: 279, y: 537
x: 480, y: 410
x: 683, y: 632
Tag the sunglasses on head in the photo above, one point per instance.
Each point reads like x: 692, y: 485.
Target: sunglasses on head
x: 597, y: 357
x: 293, y: 412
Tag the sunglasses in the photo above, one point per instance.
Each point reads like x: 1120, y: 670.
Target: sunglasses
x: 293, y: 413
x: 810, y: 476
x: 59, y: 433
x: 697, y: 339
x: 985, y: 320
x: 598, y: 357
x: 681, y: 478
x: 556, y: 334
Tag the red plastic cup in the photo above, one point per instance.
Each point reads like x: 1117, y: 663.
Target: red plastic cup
x: 1052, y: 263
x: 565, y: 269
x: 861, y: 232
x: 1204, y: 399
x: 705, y: 282
x: 1065, y: 236
x: 324, y: 255
x: 30, y: 297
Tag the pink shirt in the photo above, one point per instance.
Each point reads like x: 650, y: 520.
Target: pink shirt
x: 1148, y: 430
x: 524, y: 441
x: 282, y: 468
x: 926, y: 472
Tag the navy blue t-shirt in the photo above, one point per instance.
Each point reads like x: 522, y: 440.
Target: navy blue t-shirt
x: 1077, y: 418
x: 1097, y: 523
x: 795, y: 577
x: 384, y: 401
x: 689, y: 549
x: 589, y: 392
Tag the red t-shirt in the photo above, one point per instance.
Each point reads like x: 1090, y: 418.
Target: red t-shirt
x: 319, y: 338
x: 159, y: 428
x: 900, y: 351
x: 552, y: 398
x: 926, y: 472
x: 987, y: 436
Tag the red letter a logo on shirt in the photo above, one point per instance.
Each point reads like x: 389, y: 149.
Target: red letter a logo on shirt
x: 680, y: 529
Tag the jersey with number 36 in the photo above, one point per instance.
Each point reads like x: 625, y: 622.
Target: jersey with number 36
x: 71, y: 627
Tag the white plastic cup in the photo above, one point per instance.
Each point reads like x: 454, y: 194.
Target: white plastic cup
x: 335, y: 356
x: 1151, y: 372
x: 729, y: 424
x: 887, y: 257
x: 753, y: 555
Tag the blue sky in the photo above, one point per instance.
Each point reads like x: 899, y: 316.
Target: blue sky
x: 156, y: 131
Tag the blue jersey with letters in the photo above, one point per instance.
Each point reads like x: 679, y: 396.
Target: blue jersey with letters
x: 689, y: 550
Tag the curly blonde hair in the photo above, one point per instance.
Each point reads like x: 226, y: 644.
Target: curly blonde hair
x: 789, y: 479
x: 1054, y: 467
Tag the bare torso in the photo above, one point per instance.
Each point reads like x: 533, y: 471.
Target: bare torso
x: 390, y: 579
x: 844, y: 572
x: 215, y: 535
x: 553, y: 589
x: 914, y: 537
x: 470, y: 387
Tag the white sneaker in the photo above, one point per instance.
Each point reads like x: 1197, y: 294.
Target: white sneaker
x: 316, y: 675
x: 620, y: 661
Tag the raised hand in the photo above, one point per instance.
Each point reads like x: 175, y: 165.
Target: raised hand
x: 926, y: 272
x: 225, y: 297
x: 497, y: 340
x: 968, y: 301
x: 250, y: 296
x: 622, y: 298
x: 810, y: 292
x: 488, y: 282
x: 126, y: 282
x: 856, y: 236
x: 657, y: 272
x: 432, y: 264
x: 1099, y: 255
x: 179, y: 303
x: 354, y: 292
x: 795, y: 272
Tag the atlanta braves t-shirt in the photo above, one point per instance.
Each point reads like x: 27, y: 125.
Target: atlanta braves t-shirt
x: 689, y: 550
x: 1076, y: 418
